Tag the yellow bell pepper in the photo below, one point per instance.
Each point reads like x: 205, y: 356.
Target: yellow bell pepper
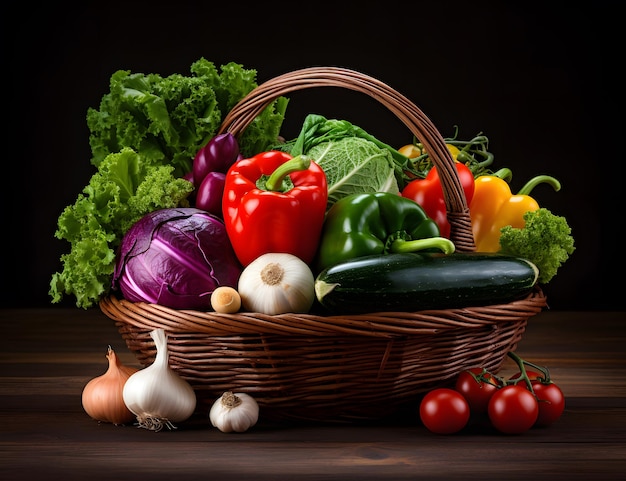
x: 493, y: 206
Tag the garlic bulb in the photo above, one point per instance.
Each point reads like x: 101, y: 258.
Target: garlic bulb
x: 234, y: 412
x: 277, y: 283
x: 102, y: 396
x: 157, y: 395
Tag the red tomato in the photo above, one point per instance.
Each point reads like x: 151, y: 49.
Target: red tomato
x: 551, y: 402
x: 531, y: 375
x: 444, y: 411
x: 477, y: 387
x: 513, y: 409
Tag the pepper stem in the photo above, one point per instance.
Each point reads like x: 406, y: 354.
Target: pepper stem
x: 275, y: 181
x: 440, y: 243
x: 504, y: 173
x: 547, y: 179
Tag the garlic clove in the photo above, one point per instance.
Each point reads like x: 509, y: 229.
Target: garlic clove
x: 102, y: 396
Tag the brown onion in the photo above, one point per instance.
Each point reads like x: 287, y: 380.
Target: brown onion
x: 102, y: 396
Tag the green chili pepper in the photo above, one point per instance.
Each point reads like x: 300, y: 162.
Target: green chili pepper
x: 377, y: 223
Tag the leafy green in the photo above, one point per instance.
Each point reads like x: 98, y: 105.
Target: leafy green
x: 143, y: 139
x: 168, y: 119
x: 353, y: 160
x: 352, y: 165
x: 126, y: 187
x: 545, y: 240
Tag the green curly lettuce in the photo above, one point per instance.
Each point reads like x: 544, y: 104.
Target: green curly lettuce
x: 143, y: 138
x: 545, y: 240
x: 168, y: 119
x: 126, y: 187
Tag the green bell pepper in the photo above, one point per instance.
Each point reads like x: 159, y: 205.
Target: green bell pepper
x: 376, y: 223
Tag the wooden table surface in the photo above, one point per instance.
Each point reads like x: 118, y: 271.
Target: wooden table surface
x: 48, y: 355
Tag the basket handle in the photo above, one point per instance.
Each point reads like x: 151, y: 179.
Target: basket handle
x: 416, y: 121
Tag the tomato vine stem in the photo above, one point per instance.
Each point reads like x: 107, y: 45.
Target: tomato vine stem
x: 521, y: 363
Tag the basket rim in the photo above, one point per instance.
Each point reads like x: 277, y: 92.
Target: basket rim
x: 377, y: 324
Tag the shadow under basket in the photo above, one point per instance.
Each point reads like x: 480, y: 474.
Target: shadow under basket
x: 333, y: 368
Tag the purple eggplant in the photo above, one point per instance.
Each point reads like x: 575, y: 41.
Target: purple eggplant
x: 216, y: 156
x: 209, y: 194
x: 189, y: 177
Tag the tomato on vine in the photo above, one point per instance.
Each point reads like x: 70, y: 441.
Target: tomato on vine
x: 532, y: 375
x: 513, y: 409
x: 550, y: 398
x: 477, y: 385
x: 444, y: 411
x: 551, y: 402
x: 526, y: 399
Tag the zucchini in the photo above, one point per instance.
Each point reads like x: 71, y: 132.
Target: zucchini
x: 419, y: 281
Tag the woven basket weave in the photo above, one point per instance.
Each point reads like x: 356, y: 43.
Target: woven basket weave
x: 333, y: 368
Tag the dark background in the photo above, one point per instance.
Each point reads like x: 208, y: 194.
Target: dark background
x: 540, y: 79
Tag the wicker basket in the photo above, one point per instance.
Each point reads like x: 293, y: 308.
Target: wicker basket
x: 333, y: 368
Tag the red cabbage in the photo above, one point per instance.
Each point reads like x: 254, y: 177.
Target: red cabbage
x: 176, y: 258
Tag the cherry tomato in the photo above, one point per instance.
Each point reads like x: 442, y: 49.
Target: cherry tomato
x: 550, y: 400
x: 531, y: 375
x: 444, y: 411
x: 411, y: 151
x: 513, y: 409
x: 454, y: 150
x: 477, y: 387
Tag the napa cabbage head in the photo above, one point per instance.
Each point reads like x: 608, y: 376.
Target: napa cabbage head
x: 353, y: 165
x: 354, y: 160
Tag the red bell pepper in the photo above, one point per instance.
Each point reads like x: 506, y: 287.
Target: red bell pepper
x: 428, y: 193
x: 274, y: 202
